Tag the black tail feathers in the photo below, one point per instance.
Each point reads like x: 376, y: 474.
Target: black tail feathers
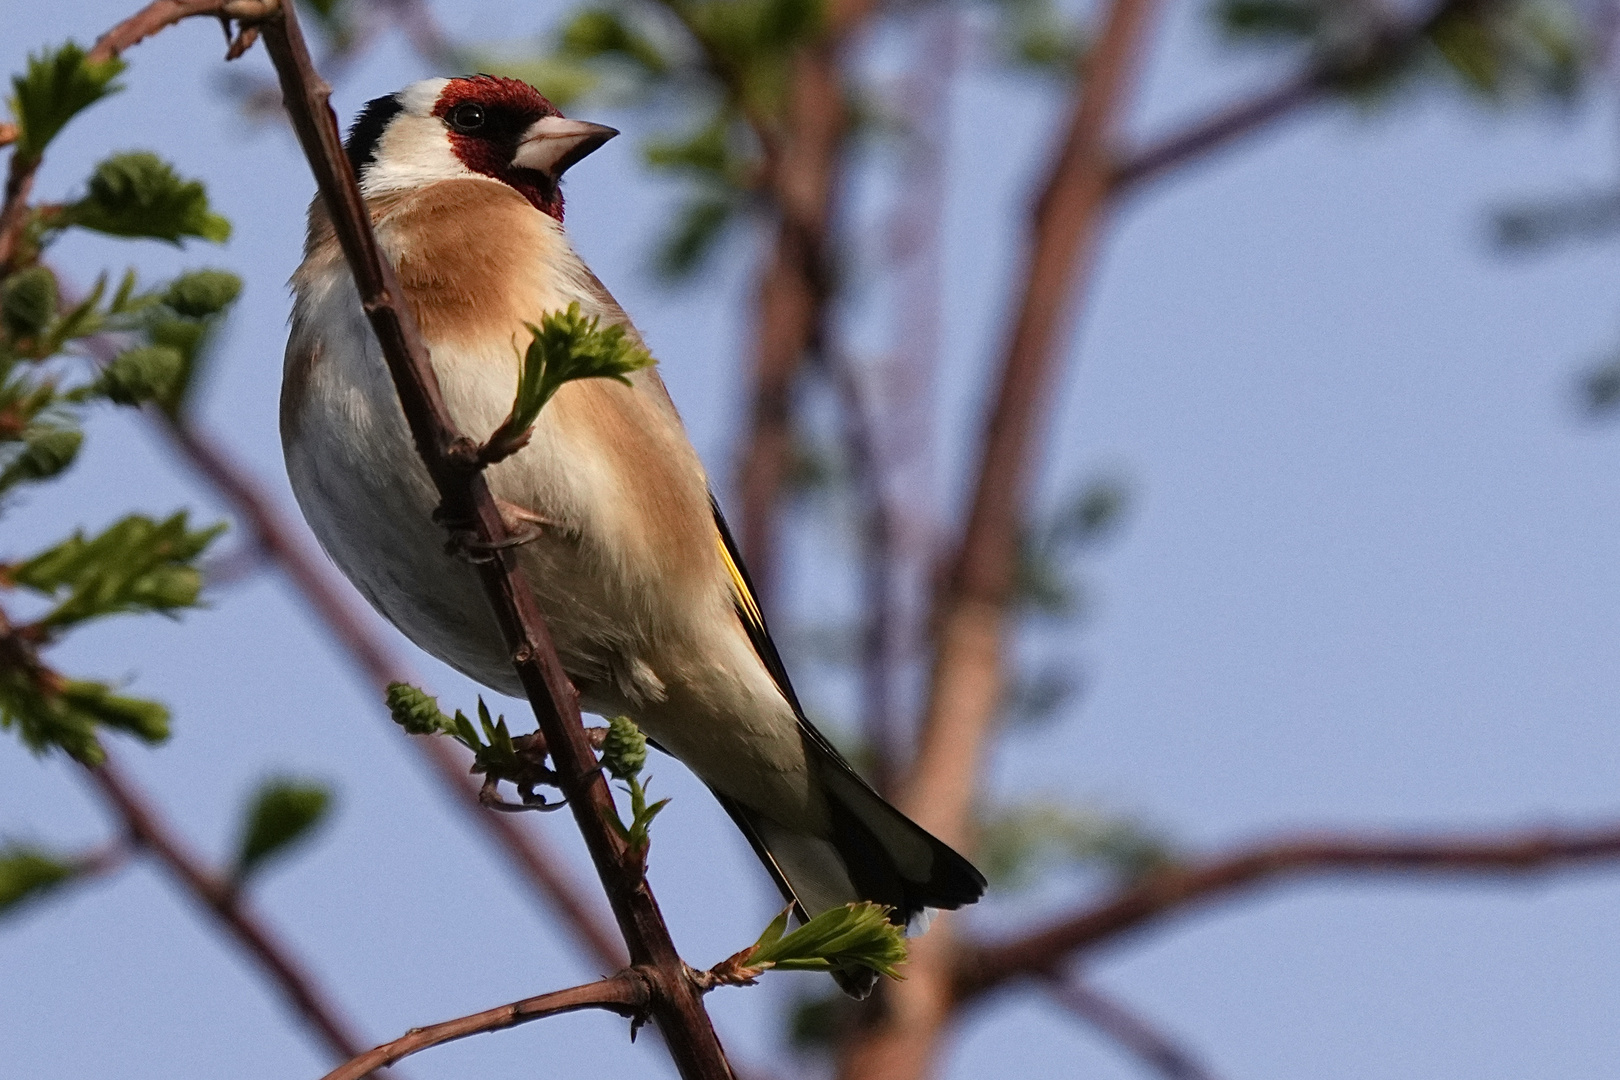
x: 873, y: 852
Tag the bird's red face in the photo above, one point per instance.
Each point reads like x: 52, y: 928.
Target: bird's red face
x: 486, y: 126
x: 507, y: 130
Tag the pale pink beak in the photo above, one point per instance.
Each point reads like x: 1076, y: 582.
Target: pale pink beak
x: 553, y: 144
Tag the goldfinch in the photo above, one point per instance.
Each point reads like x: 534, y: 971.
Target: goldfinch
x: 630, y: 559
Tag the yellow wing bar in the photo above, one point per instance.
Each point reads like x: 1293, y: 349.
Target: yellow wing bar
x: 739, y: 584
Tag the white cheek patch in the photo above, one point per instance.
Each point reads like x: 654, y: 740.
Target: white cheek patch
x: 413, y: 152
x: 420, y: 97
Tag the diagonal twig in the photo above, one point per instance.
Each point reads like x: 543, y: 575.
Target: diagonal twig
x: 1151, y: 1046
x: 234, y: 913
x: 1174, y: 890
x: 626, y: 993
x: 1310, y: 86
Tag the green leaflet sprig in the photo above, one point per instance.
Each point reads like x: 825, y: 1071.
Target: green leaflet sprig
x: 849, y: 938
x: 137, y: 564
x: 50, y: 712
x: 497, y: 755
x: 139, y: 195
x: 566, y: 346
x: 57, y: 86
x: 624, y: 753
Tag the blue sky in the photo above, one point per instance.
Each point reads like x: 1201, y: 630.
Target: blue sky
x: 1367, y: 580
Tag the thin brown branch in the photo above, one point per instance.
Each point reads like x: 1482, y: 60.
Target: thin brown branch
x: 21, y: 169
x: 1291, y: 97
x: 1221, y: 128
x: 794, y: 290
x: 965, y: 686
x: 162, y: 14
x: 1067, y: 221
x: 1175, y: 890
x: 234, y: 913
x: 1146, y: 1042
x: 626, y: 993
x: 877, y: 554
x: 675, y: 1003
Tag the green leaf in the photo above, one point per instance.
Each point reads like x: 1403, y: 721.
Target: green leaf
x: 698, y: 227
x: 27, y: 873
x: 147, y: 373
x: 28, y: 302
x: 138, y: 194
x: 595, y: 33
x: 565, y: 346
x: 198, y: 294
x: 146, y: 720
x: 416, y: 711
x: 848, y: 938
x: 57, y: 85
x: 136, y: 564
x: 1094, y: 514
x: 624, y: 748
x: 46, y: 452
x: 1285, y: 19
x: 283, y: 812
x: 54, y: 713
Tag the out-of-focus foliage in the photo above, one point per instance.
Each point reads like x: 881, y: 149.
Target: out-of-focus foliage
x: 1499, y: 49
x: 283, y: 813
x: 1044, y: 583
x: 138, y: 565
x: 138, y: 194
x: 58, y: 84
x: 1038, y: 36
x: 1018, y: 843
x: 28, y: 873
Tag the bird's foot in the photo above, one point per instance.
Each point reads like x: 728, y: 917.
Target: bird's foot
x: 522, y: 527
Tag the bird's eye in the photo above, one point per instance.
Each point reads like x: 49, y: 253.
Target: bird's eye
x: 467, y: 118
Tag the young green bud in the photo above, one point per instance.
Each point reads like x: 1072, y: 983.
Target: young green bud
x: 415, y: 710
x: 624, y: 750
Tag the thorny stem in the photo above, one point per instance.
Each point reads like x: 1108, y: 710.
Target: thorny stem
x: 628, y: 993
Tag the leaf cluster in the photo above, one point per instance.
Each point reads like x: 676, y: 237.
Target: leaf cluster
x: 139, y: 195
x: 565, y: 346
x: 1037, y: 36
x: 1016, y: 844
x: 51, y: 712
x: 56, y: 86
x: 495, y: 753
x: 624, y: 753
x: 1042, y: 579
x: 137, y: 565
x: 1497, y: 50
x: 850, y: 938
